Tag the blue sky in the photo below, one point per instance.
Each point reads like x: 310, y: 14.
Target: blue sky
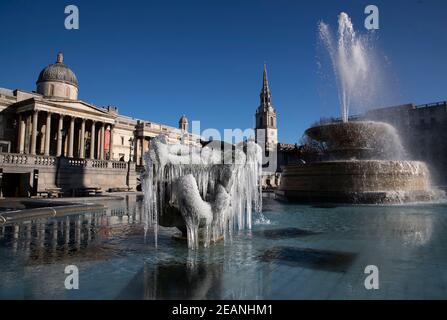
x: 156, y: 60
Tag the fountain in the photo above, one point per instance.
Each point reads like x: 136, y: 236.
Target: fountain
x: 364, y: 160
x: 206, y: 193
x: 362, y: 166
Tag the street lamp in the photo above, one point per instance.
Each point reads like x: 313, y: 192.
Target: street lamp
x: 130, y: 148
x: 130, y: 160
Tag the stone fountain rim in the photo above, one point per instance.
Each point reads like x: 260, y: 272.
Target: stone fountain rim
x: 354, y: 123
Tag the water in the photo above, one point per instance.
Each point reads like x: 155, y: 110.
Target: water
x: 352, y: 58
x: 306, y: 252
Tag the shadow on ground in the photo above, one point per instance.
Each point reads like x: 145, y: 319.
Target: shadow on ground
x: 334, y: 261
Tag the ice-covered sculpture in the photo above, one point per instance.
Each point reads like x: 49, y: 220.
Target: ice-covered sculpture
x: 205, y: 192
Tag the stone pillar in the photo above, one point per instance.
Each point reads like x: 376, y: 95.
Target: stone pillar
x: 71, y: 142
x: 22, y: 130
x: 92, y: 141
x: 60, y: 128
x: 141, y: 152
x: 101, y: 148
x: 82, y: 151
x: 34, y: 132
x: 111, y: 143
x: 48, y: 134
x: 28, y: 133
x: 98, y: 142
x: 135, y: 149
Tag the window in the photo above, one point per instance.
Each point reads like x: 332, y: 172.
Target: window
x: 271, y: 121
x: 122, y: 141
x: 51, y: 89
x: 67, y: 92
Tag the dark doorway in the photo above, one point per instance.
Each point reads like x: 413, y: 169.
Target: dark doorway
x: 16, y: 184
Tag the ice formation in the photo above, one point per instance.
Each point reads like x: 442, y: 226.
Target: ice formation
x: 205, y: 192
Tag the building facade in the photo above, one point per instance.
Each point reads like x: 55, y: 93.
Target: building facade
x: 63, y: 142
x: 423, y: 131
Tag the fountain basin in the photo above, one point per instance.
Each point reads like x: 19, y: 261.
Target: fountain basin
x: 357, y: 181
x: 359, y: 140
x: 365, y: 166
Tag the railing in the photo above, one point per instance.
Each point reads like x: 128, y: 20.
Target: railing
x: 99, y: 164
x: 72, y: 162
x: 119, y: 165
x: 45, y: 161
x: 430, y: 105
x: 11, y: 158
x: 36, y: 161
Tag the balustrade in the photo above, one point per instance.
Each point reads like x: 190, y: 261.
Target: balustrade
x: 36, y: 161
x: 119, y: 165
x: 99, y: 164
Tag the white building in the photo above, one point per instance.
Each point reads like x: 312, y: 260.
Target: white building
x: 71, y: 143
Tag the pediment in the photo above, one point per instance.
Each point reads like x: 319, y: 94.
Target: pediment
x: 76, y: 108
x: 79, y: 105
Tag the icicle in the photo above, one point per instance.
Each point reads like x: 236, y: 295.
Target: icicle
x: 213, y: 198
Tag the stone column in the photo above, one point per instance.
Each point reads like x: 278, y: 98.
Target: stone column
x: 140, y: 160
x: 111, y: 143
x: 27, y: 141
x: 34, y: 132
x: 98, y: 141
x: 135, y: 149
x: 92, y: 141
x: 22, y: 130
x: 82, y: 151
x: 48, y: 134
x: 71, y: 142
x: 101, y: 145
x: 60, y: 128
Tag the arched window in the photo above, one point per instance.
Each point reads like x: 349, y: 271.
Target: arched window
x: 51, y: 89
x: 271, y: 121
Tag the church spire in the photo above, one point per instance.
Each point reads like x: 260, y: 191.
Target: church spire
x: 266, y: 96
x: 265, y: 81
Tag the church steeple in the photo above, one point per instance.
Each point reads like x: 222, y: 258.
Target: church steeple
x: 266, y: 130
x: 265, y: 81
x: 265, y: 96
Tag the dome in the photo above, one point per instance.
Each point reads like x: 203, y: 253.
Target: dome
x: 58, y: 72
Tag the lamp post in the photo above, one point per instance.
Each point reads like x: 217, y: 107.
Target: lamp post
x: 130, y: 148
x: 1, y: 182
x: 130, y: 160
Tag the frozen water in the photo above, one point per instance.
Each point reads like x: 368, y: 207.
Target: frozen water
x: 215, y: 191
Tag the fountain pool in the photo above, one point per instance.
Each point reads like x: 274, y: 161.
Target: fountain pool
x: 306, y: 252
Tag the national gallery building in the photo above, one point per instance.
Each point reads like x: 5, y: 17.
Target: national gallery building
x: 49, y: 139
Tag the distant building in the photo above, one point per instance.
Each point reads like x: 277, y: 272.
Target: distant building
x: 267, y: 136
x: 51, y: 139
x: 423, y: 131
